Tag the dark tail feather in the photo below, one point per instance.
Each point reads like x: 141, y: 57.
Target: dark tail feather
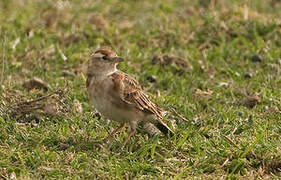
x: 164, y: 129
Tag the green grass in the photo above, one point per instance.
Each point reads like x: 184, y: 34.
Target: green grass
x: 222, y: 137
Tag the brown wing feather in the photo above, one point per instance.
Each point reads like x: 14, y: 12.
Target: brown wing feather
x: 131, y: 92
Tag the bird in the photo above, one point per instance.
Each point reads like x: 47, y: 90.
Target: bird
x: 119, y: 97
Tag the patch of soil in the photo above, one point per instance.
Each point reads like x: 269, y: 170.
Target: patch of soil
x: 171, y: 60
x: 251, y: 101
x: 26, y: 109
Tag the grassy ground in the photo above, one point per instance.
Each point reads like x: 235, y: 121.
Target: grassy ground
x: 228, y: 90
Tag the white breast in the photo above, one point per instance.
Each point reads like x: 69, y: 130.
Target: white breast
x: 98, y: 92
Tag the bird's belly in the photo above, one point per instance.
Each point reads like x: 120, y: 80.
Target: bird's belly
x: 111, y: 110
x: 110, y: 106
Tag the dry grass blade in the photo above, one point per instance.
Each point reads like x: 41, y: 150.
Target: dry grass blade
x: 225, y: 163
x: 179, y: 115
x: 3, y: 59
x: 40, y: 98
x: 203, y: 93
x: 229, y: 140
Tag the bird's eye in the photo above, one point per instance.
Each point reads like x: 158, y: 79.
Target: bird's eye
x: 104, y: 58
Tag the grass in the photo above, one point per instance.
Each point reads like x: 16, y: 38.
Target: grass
x: 233, y: 54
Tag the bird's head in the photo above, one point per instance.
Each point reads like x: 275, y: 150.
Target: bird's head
x: 103, y: 61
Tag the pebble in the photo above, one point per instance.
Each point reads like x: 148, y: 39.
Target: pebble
x: 256, y: 58
x: 151, y: 78
x: 248, y: 75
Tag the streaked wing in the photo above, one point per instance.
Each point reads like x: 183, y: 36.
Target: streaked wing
x: 131, y: 93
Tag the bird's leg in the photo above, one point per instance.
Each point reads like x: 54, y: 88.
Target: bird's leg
x: 114, y: 132
x: 131, y: 133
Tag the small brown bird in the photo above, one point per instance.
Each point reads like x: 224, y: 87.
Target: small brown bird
x: 118, y: 96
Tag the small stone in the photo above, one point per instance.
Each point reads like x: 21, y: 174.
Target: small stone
x: 67, y: 74
x: 223, y: 84
x: 206, y: 135
x: 35, y: 83
x: 97, y: 115
x: 251, y: 101
x: 151, y: 78
x: 51, y: 109
x: 256, y: 58
x: 248, y: 75
x: 63, y: 146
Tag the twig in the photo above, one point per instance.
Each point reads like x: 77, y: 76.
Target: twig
x: 227, y: 138
x: 179, y: 115
x: 3, y: 59
x: 39, y: 99
x: 225, y: 162
x: 61, y: 53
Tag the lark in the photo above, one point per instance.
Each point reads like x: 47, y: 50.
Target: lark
x: 119, y: 97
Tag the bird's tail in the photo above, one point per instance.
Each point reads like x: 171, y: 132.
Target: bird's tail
x: 164, y: 129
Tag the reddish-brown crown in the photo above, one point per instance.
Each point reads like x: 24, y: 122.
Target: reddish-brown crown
x: 106, y: 52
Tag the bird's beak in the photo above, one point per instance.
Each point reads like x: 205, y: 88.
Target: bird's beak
x: 117, y: 59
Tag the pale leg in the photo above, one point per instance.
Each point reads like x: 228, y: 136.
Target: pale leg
x: 131, y: 133
x: 116, y: 130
